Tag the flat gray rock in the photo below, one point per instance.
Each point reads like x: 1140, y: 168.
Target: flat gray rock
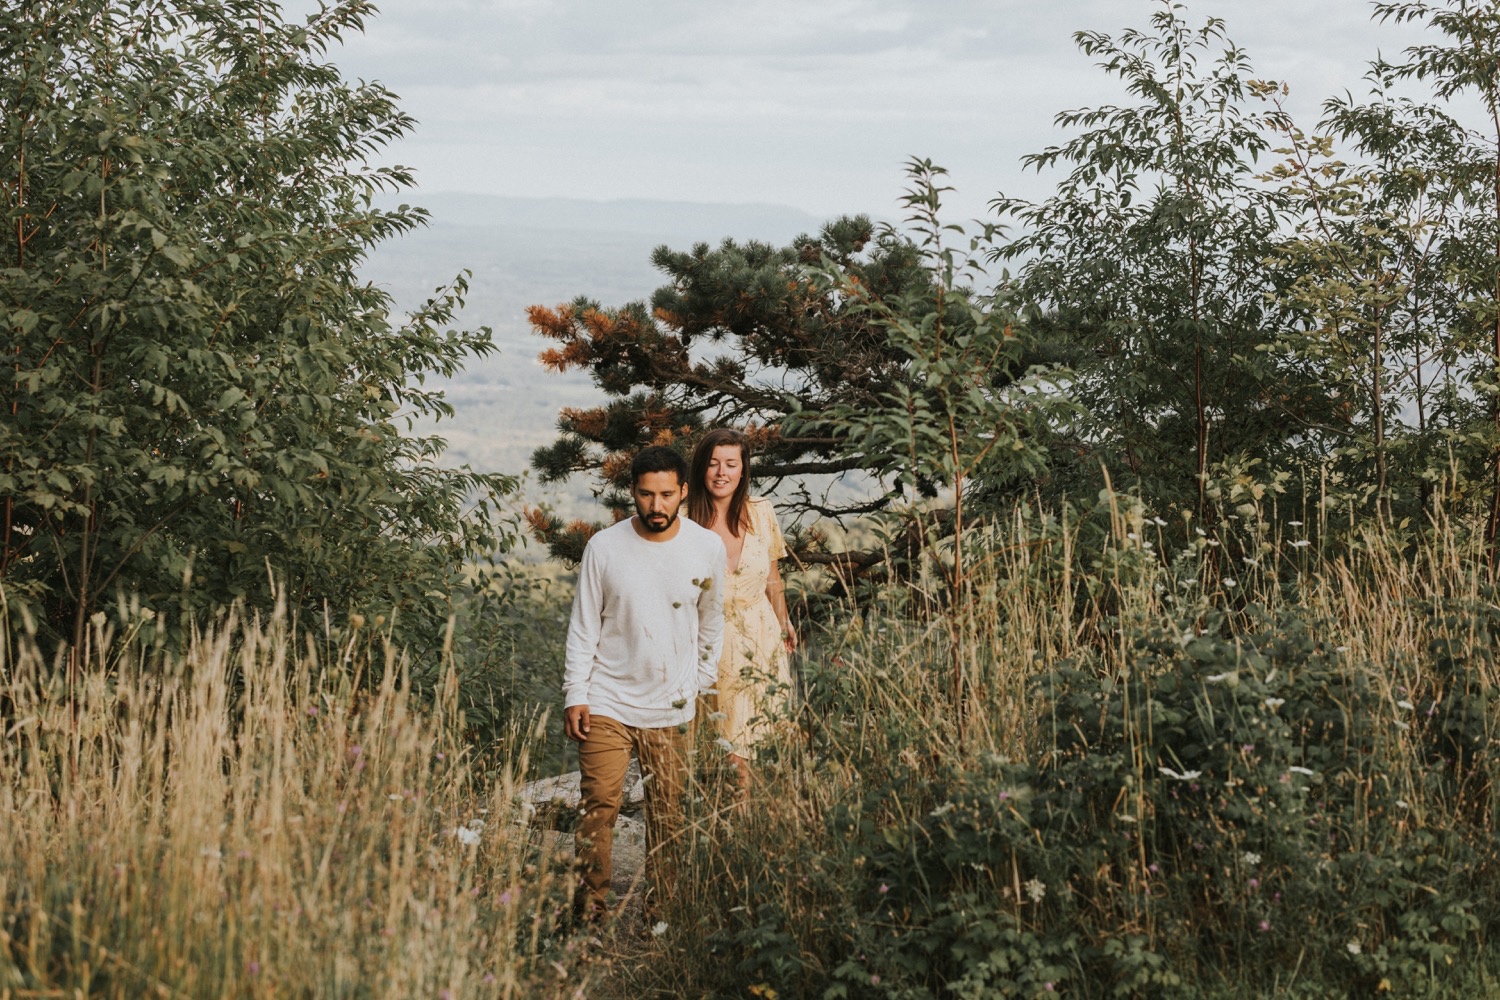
x: 562, y: 791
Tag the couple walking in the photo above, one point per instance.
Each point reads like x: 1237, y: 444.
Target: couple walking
x: 668, y: 608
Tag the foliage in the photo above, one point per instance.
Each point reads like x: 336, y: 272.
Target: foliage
x: 201, y: 395
x: 760, y: 338
x: 243, y: 819
x: 1194, y: 808
x: 965, y: 410
x: 1149, y: 260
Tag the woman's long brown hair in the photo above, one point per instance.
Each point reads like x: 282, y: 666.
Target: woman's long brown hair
x: 700, y: 504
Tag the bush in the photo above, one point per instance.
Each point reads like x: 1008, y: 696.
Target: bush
x: 1234, y: 805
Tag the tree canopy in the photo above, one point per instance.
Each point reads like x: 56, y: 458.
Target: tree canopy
x: 199, y: 386
x: 1237, y: 306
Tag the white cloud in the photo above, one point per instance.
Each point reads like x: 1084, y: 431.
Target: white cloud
x: 815, y: 105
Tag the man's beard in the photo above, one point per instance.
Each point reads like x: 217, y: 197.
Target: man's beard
x: 657, y: 527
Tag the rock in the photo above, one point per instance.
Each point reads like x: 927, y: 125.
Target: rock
x: 561, y: 792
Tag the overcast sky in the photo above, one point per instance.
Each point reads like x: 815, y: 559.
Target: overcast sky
x: 809, y: 103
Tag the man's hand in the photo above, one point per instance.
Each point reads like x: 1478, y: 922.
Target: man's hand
x: 576, y: 722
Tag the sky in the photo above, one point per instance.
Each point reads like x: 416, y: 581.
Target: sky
x: 815, y: 104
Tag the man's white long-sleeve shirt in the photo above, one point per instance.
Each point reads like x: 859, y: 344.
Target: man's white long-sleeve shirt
x: 647, y: 625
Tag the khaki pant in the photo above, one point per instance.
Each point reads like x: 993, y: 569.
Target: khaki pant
x: 602, y: 760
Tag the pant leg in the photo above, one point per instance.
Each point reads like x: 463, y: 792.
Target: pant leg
x: 602, y: 759
x: 663, y: 755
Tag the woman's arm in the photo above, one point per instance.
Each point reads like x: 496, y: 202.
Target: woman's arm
x: 776, y: 594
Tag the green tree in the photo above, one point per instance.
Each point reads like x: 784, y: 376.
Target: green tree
x: 746, y: 335
x: 1465, y: 60
x: 1375, y: 268
x: 1149, y: 258
x: 203, y: 402
x: 965, y: 412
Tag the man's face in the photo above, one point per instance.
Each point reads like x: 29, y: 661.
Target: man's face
x: 657, y: 497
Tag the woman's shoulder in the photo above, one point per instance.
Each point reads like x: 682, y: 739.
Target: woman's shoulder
x: 761, y: 507
x: 763, y: 511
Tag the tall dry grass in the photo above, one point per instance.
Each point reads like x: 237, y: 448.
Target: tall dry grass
x: 777, y: 887
x: 255, y: 817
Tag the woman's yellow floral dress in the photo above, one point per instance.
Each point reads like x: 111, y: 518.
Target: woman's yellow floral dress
x: 755, y: 674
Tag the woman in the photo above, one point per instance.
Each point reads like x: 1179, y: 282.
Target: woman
x: 754, y: 669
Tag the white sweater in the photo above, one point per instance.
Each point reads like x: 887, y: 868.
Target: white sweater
x: 647, y: 625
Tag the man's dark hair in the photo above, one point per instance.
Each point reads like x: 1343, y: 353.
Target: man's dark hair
x: 658, y: 459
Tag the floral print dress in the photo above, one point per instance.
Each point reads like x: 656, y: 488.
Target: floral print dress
x: 755, y: 676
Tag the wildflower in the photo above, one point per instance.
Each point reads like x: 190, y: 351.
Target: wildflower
x: 724, y: 744
x: 1250, y: 858
x: 148, y: 614
x: 884, y: 888
x: 1254, y: 884
x: 1158, y: 522
x: 1231, y: 582
x: 1406, y: 705
x: 1302, y: 770
x: 1295, y: 524
x: 394, y: 796
x: 1403, y: 804
x: 1274, y: 703
x: 1036, y: 890
x: 97, y: 619
x: 1300, y: 543
x: 1230, y: 677
x: 467, y: 836
x: 1353, y: 948
x: 1265, y: 925
x: 874, y: 979
x: 659, y: 928
x: 1183, y: 776
x: 717, y: 716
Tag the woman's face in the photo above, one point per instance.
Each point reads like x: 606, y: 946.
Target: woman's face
x: 726, y: 466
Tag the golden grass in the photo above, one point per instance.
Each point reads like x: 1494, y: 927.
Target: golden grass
x: 1038, y: 592
x: 248, y: 820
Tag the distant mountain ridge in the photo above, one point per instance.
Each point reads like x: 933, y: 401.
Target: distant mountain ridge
x: 674, y: 222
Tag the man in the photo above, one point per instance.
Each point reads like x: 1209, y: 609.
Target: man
x: 643, y: 640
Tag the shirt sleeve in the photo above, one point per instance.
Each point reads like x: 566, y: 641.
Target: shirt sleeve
x: 711, y: 618
x: 775, y: 544
x: 584, y: 626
